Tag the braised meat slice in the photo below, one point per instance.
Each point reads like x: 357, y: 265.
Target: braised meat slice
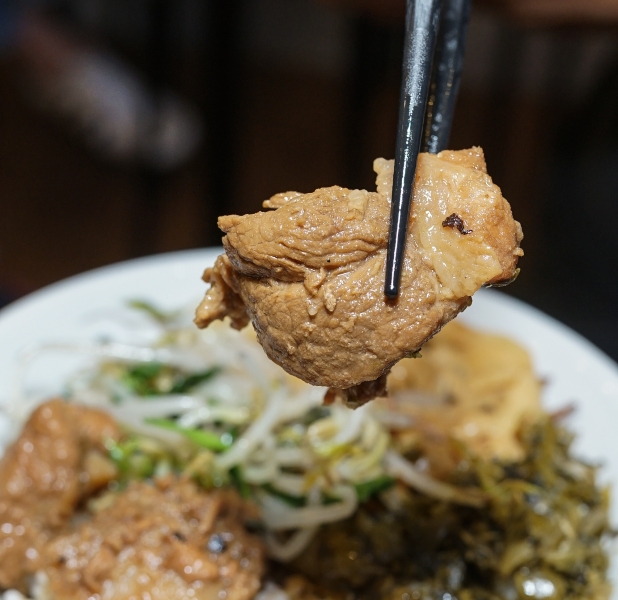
x: 168, y: 539
x: 58, y: 460
x: 310, y: 274
x: 160, y: 541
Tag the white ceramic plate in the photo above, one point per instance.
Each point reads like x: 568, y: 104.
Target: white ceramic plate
x: 90, y: 306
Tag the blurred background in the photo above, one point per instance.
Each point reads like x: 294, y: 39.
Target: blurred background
x: 126, y: 128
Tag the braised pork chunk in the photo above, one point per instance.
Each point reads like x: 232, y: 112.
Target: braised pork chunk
x: 164, y: 541
x: 309, y: 275
x: 58, y: 460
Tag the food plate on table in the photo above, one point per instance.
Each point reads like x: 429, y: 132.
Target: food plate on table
x: 91, y: 307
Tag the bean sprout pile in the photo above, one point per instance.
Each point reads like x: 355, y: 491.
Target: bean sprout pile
x: 212, y: 406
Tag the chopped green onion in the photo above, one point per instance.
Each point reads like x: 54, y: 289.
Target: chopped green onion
x: 315, y: 414
x: 295, y: 501
x: 151, y: 310
x: 182, y: 385
x: 239, y: 483
x: 141, y: 378
x: 200, y: 437
x: 130, y: 458
x: 152, y: 379
x: 366, y: 489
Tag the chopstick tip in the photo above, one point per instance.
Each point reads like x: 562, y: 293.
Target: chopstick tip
x: 391, y: 289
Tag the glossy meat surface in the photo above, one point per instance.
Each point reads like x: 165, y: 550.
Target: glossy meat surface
x: 58, y: 460
x: 168, y: 539
x: 164, y: 542
x: 310, y: 274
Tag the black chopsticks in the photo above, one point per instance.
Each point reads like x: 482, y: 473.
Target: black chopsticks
x: 446, y: 75
x: 427, y: 102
